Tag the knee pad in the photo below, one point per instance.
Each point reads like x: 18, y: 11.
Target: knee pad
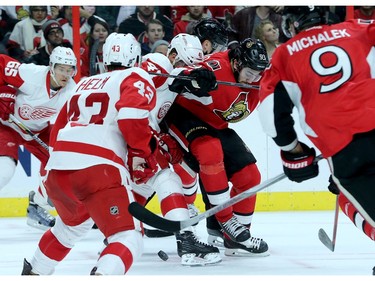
x: 67, y: 235
x: 167, y: 183
x: 209, y: 152
x: 7, y: 168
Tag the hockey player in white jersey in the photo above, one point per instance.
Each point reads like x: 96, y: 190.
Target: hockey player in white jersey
x: 166, y: 183
x: 105, y: 120
x: 36, y: 96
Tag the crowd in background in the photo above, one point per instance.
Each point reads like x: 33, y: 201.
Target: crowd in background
x: 29, y: 33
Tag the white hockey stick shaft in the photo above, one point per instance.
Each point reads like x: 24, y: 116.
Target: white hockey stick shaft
x: 27, y: 130
x: 241, y: 85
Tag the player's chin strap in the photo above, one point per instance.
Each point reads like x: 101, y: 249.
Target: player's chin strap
x: 156, y: 221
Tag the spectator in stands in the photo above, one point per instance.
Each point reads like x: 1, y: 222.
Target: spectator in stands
x: 99, y: 31
x: 269, y: 35
x: 246, y: 20
x: 27, y: 35
x: 365, y: 13
x: 194, y: 14
x: 109, y: 14
x: 219, y: 12
x: 137, y: 22
x: 160, y: 46
x: 154, y: 32
x: 123, y: 13
x: 176, y: 12
x: 66, y: 22
x: 54, y: 36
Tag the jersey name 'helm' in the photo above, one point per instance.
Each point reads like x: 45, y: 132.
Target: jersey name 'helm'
x: 62, y: 55
x: 212, y: 30
x: 121, y: 50
x: 188, y: 48
x: 307, y: 16
x: 252, y: 54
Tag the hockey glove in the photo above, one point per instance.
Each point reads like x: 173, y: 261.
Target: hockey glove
x: 332, y: 187
x: 7, y: 100
x: 299, y: 167
x: 170, y: 148
x: 200, y: 81
x: 141, y: 167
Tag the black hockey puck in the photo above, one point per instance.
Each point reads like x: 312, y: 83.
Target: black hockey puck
x: 163, y: 255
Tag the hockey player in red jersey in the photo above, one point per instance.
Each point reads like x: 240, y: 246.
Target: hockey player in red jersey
x: 199, y: 120
x: 38, y: 94
x: 327, y: 73
x: 167, y: 183
x: 96, y: 128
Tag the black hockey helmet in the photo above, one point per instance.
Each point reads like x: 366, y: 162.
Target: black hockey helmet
x: 250, y: 53
x: 212, y: 30
x: 304, y: 17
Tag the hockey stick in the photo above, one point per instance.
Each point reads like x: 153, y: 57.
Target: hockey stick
x: 241, y: 85
x: 323, y: 237
x: 154, y: 220
x: 27, y: 130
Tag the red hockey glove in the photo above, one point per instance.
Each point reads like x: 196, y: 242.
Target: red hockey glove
x: 7, y: 100
x: 200, y: 82
x: 299, y: 167
x: 141, y: 167
x: 170, y: 148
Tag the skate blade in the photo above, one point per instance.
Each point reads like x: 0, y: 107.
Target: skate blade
x: 193, y: 260
x: 244, y: 253
x: 215, y: 241
x: 37, y: 225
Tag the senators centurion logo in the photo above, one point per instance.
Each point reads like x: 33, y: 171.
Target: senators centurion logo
x: 238, y: 110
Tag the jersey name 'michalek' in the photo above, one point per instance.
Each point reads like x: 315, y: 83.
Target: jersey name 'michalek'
x: 326, y: 36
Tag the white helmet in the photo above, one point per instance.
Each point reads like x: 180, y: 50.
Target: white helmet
x: 121, y: 50
x: 188, y: 48
x: 62, y: 55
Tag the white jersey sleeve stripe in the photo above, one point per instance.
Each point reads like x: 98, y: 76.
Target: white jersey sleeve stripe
x: 132, y: 113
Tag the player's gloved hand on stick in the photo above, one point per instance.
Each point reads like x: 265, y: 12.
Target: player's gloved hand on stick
x: 141, y: 167
x: 170, y: 148
x: 200, y: 82
x: 332, y: 187
x: 299, y: 167
x: 7, y: 100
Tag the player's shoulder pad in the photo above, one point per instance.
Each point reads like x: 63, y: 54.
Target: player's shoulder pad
x: 159, y: 59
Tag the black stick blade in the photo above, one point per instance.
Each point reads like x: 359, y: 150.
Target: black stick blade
x: 148, y: 217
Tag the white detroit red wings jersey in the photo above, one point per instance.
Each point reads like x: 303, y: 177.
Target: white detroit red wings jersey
x: 36, y: 104
x: 158, y: 63
x: 320, y: 69
x: 104, y: 114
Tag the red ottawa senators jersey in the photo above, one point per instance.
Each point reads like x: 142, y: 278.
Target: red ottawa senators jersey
x: 226, y: 104
x: 327, y: 72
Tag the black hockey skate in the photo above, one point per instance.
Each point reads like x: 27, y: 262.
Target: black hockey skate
x: 215, y: 237
x: 253, y: 247
x: 37, y: 216
x: 194, y: 252
x: 27, y: 268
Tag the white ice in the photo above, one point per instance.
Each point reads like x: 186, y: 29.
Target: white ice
x: 295, y: 250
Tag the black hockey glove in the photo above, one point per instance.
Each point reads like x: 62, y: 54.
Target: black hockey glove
x: 332, y: 186
x: 198, y: 82
x: 299, y: 167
